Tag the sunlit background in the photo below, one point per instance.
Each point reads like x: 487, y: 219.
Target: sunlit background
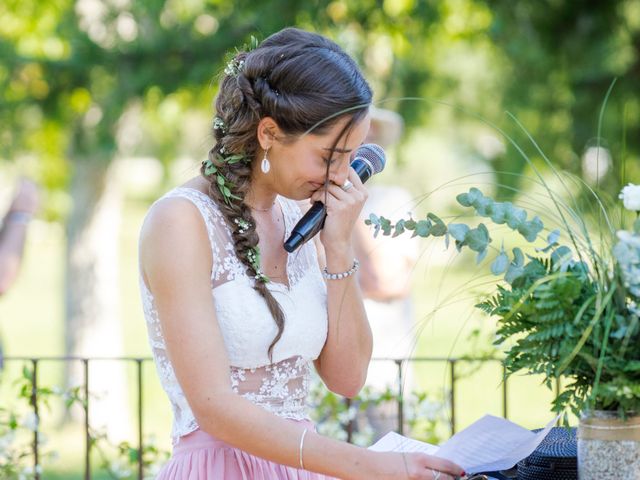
x: 108, y: 103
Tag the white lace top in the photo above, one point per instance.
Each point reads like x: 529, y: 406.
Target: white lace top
x: 247, y: 326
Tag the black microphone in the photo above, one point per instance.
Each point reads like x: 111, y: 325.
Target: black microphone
x: 369, y: 160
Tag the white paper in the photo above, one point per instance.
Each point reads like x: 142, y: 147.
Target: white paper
x: 490, y: 444
x: 393, y: 442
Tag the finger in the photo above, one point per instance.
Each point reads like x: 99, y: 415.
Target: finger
x: 324, y: 196
x: 435, y: 474
x: 445, y: 466
x: 355, y: 179
x: 331, y: 193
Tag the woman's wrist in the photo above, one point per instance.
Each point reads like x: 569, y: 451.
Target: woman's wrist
x: 339, y: 258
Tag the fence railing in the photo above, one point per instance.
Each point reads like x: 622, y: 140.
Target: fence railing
x: 35, y: 362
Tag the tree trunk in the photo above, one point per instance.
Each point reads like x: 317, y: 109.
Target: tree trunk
x: 93, y: 326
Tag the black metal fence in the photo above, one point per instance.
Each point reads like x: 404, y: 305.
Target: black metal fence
x: 35, y: 362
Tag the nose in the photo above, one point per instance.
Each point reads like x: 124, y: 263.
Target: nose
x: 340, y: 173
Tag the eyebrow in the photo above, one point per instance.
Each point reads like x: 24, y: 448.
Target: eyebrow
x: 339, y: 150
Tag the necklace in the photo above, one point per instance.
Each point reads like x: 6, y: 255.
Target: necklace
x: 262, y: 209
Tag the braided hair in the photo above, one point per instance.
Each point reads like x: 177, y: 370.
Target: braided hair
x: 306, y: 83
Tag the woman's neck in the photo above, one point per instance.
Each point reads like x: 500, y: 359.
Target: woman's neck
x: 260, y: 196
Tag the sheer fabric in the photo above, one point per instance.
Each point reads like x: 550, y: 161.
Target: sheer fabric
x: 280, y: 386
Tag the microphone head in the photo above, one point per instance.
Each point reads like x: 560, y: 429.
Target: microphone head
x: 372, y: 155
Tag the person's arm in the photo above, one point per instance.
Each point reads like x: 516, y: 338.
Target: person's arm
x: 349, y: 340
x: 14, y: 232
x: 386, y: 264
x: 176, y: 262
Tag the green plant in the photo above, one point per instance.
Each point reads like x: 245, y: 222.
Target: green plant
x: 333, y: 414
x: 562, y: 312
x: 20, y: 428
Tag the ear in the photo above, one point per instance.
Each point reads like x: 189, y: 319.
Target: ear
x: 268, y: 132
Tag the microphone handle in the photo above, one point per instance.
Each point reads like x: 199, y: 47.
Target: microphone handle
x: 303, y: 231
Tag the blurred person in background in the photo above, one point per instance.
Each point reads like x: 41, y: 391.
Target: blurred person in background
x: 385, y: 273
x: 13, y: 234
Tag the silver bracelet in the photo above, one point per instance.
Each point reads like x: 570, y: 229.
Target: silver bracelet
x: 340, y: 276
x: 301, y: 446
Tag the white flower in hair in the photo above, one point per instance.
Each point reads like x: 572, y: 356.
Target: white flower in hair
x: 234, y: 67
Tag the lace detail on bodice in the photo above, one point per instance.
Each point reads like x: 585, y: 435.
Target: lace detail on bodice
x: 247, y: 327
x: 281, y: 388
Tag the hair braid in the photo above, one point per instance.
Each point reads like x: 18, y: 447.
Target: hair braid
x: 303, y: 81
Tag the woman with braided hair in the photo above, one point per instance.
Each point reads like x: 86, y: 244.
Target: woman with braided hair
x: 235, y: 322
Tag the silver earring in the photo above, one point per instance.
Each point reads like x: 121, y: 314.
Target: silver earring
x: 265, y: 166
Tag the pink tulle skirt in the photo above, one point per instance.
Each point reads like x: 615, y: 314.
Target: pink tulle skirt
x: 199, y: 456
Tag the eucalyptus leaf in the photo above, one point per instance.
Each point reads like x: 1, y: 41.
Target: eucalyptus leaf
x: 475, y: 195
x: 477, y: 238
x: 518, y: 257
x: 498, y: 212
x: 482, y: 255
x: 553, y: 237
x: 399, y: 228
x: 484, y: 206
x: 438, y: 229
x: 513, y: 273
x: 458, y: 231
x: 561, y: 255
x: 530, y: 230
x: 410, y: 224
x: 385, y: 225
x: 464, y: 200
x: 423, y: 228
x: 372, y: 220
x: 514, y: 216
x: 500, y: 264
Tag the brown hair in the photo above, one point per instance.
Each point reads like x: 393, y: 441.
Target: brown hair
x: 306, y: 83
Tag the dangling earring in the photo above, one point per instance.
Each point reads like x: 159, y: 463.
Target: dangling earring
x: 265, y: 166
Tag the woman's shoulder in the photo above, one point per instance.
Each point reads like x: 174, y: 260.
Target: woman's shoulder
x: 180, y: 213
x: 172, y: 218
x: 173, y: 237
x: 190, y: 197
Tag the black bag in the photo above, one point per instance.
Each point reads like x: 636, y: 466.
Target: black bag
x: 554, y: 459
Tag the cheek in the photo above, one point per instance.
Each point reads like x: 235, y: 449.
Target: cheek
x: 311, y: 170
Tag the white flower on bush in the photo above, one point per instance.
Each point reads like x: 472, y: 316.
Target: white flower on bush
x: 627, y: 253
x: 6, y: 440
x: 29, y: 472
x: 30, y: 422
x: 630, y: 196
x: 348, y: 415
x: 119, y: 469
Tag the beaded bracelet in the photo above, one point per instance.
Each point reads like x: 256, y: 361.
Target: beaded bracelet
x: 340, y: 276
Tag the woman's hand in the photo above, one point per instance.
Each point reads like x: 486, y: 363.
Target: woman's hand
x: 343, y: 209
x: 411, y: 466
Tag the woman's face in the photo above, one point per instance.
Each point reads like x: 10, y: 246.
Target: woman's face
x: 299, y: 168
